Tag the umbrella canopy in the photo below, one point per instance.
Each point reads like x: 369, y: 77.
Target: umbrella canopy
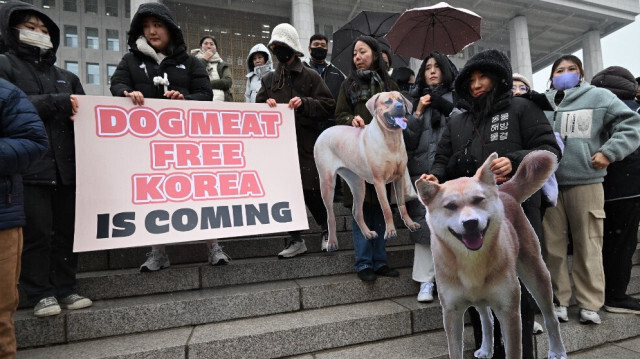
x: 440, y: 27
x: 370, y: 23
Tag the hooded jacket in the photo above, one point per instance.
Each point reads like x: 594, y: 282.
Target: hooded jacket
x: 513, y: 128
x: 23, y: 141
x: 49, y: 88
x: 623, y: 177
x: 254, y: 74
x: 219, y: 75
x: 589, y: 120
x: 137, y: 69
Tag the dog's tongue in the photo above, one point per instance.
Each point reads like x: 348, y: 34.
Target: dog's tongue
x: 473, y: 240
x: 400, y: 122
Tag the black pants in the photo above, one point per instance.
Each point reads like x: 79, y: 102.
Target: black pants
x: 48, y: 262
x: 313, y: 201
x: 619, y: 244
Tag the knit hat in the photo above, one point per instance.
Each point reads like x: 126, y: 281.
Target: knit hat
x: 491, y: 61
x: 286, y: 34
x: 521, y: 78
x: 617, y: 80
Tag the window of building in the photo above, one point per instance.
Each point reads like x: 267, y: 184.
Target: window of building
x: 70, y: 5
x: 113, y: 41
x: 70, y: 36
x: 93, y: 74
x: 91, y: 6
x: 110, y: 70
x: 111, y: 7
x: 48, y: 4
x: 72, y: 66
x: 92, y: 38
x: 127, y: 8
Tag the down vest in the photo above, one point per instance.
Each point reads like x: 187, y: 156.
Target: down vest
x: 23, y: 141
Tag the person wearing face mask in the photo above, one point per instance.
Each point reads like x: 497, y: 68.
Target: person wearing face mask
x: 597, y: 129
x: 494, y: 121
x: 29, y: 41
x: 258, y: 63
x: 301, y: 89
x: 218, y: 70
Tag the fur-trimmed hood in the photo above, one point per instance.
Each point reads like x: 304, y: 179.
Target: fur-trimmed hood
x: 259, y: 48
x: 159, y: 11
x: 492, y: 61
x: 8, y: 40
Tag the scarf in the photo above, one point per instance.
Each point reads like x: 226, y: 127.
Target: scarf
x: 369, y: 83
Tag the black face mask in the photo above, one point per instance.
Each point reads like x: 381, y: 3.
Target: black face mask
x: 319, y: 53
x: 283, y: 53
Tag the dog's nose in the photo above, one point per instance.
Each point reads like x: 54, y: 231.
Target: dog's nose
x: 398, y: 104
x: 470, y: 225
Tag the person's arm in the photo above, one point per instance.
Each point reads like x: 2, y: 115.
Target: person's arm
x: 121, y: 79
x: 24, y: 138
x: 444, y: 151
x: 263, y: 94
x: 225, y: 82
x: 412, y: 133
x: 344, y: 113
x: 320, y: 105
x: 624, y: 126
x: 199, y: 86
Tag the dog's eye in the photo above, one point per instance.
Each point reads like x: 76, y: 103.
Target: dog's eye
x: 388, y: 102
x: 477, y: 200
x: 451, y: 206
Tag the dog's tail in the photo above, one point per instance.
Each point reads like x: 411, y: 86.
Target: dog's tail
x: 534, y: 170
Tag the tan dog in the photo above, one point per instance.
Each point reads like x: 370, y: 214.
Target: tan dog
x: 481, y: 243
x: 375, y: 154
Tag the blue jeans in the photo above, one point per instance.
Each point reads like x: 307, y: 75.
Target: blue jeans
x: 370, y: 253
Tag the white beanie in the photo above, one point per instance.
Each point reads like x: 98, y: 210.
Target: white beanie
x: 286, y: 34
x: 521, y: 78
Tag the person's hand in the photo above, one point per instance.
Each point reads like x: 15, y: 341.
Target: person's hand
x: 136, y: 96
x: 174, y: 95
x: 599, y: 161
x: 357, y: 122
x: 271, y: 102
x: 74, y: 107
x: 207, y: 54
x: 422, y: 104
x: 430, y: 178
x: 295, y: 102
x: 501, y: 167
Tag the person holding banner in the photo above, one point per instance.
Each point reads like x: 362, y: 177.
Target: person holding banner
x: 158, y: 66
x: 29, y: 42
x: 306, y: 93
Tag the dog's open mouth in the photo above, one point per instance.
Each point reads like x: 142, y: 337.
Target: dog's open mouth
x: 473, y: 240
x: 395, y: 118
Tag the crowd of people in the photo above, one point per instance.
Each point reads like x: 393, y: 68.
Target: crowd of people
x: 590, y: 208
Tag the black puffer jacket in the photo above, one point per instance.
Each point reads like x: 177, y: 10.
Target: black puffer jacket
x: 138, y: 68
x: 23, y: 141
x: 514, y: 127
x: 623, y: 177
x: 48, y: 88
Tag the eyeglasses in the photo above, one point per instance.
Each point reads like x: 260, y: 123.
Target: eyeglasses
x: 522, y: 88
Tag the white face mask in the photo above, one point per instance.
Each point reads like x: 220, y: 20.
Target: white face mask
x: 34, y: 38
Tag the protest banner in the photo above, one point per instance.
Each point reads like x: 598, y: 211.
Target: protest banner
x: 178, y: 171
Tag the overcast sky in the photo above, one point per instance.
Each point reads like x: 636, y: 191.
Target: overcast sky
x: 621, y: 48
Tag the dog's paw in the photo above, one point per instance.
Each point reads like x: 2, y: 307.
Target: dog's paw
x: 370, y: 234
x: 553, y: 355
x: 332, y: 246
x: 414, y: 226
x: 483, y: 353
x: 390, y: 233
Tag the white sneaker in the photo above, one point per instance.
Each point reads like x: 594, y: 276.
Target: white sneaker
x: 589, y: 317
x: 156, y: 260
x: 46, y: 307
x: 325, y: 241
x: 561, y: 313
x: 217, y: 257
x: 426, y: 292
x: 537, y: 328
x: 293, y: 249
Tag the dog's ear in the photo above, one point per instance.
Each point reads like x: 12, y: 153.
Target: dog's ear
x: 408, y: 106
x: 484, y: 173
x: 371, y: 104
x: 427, y: 190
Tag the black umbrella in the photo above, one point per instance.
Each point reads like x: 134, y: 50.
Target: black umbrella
x: 370, y: 23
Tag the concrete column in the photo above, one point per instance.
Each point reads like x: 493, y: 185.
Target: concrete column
x: 591, y: 54
x: 302, y: 19
x: 136, y: 3
x: 519, y: 46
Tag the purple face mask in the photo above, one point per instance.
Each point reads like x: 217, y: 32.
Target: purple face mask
x: 566, y: 80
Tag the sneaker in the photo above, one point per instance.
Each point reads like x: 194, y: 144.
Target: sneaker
x: 537, y: 328
x: 156, y: 260
x: 217, y: 257
x: 561, y: 313
x: 426, y: 293
x: 589, y: 317
x: 627, y: 305
x: 325, y: 241
x: 46, y: 307
x: 293, y: 249
x: 75, y: 301
x: 367, y: 275
x: 385, y: 271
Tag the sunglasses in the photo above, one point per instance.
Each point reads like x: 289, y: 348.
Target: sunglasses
x: 520, y: 88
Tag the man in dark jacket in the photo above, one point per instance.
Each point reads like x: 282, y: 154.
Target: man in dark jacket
x: 30, y: 40
x: 23, y: 141
x: 304, y: 91
x: 622, y: 205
